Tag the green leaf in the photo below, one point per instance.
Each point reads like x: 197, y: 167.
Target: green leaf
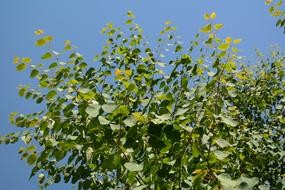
x: 131, y: 86
x: 141, y: 187
x: 47, y: 55
x: 32, y: 159
x: 181, y: 111
x: 222, y: 143
x: 224, y: 47
x: 221, y: 155
x: 129, y: 21
x: 93, y: 109
x: 41, y: 178
x: 229, y: 121
x: 134, y: 167
x: 250, y: 181
x: 109, y: 108
x: 195, y: 150
x: 130, y: 121
x: 89, y: 154
x: 34, y: 73
x: 40, y: 42
x: 178, y: 48
x: 68, y: 47
x: 21, y: 67
x: 84, y: 90
x: 226, y: 181
x: 51, y: 94
x: 22, y: 91
x: 103, y: 120
x: 53, y: 65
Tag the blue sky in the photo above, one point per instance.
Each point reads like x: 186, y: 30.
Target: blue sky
x: 81, y: 21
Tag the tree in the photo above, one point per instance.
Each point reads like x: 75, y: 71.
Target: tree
x: 163, y: 117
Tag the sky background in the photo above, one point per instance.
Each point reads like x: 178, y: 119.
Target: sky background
x: 81, y: 21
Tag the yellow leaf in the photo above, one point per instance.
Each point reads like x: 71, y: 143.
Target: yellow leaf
x: 26, y: 60
x: 224, y: 47
x: 167, y: 22
x: 218, y: 26
x: 118, y: 72
x: 16, y: 60
x: 228, y: 40
x: 241, y: 75
x: 39, y: 32
x: 200, y: 71
x: 206, y: 16
x: 48, y: 38
x: 139, y: 117
x: 206, y: 29
x: 199, y: 171
x: 213, y: 15
x: 237, y: 41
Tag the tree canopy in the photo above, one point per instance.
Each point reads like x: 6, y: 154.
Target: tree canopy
x: 155, y: 116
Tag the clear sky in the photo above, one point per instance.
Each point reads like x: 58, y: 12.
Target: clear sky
x: 81, y: 21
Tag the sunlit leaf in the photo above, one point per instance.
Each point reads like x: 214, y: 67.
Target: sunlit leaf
x: 134, y: 167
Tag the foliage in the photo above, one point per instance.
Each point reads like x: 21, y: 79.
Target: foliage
x: 275, y: 11
x: 164, y: 117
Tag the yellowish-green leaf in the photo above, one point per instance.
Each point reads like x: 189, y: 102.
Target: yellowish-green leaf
x: 40, y: 42
x: 234, y: 49
x: 51, y: 94
x: 167, y: 22
x: 237, y: 41
x: 47, y: 55
x: 218, y: 26
x: 224, y: 47
x: 21, y: 67
x: 48, y: 38
x: 128, y: 72
x: 26, y: 60
x: 213, y: 15
x: 34, y: 73
x: 16, y: 60
x: 206, y: 16
x: 130, y: 21
x: 206, y: 29
x: 67, y: 42
x: 68, y: 47
x: 32, y: 159
x: 39, y: 32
